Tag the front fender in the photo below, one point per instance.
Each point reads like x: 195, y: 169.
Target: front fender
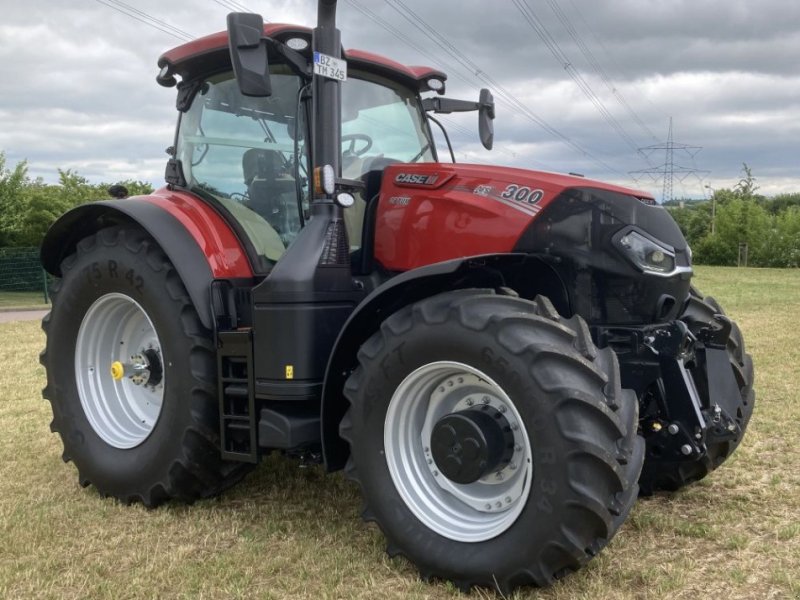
x: 194, y: 237
x: 489, y: 271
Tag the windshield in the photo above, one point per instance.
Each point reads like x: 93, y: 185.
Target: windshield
x: 241, y: 151
x: 382, y: 123
x: 381, y: 120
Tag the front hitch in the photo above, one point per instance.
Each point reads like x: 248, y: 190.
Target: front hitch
x: 686, y: 372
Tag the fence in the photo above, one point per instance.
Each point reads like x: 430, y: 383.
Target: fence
x: 23, y: 281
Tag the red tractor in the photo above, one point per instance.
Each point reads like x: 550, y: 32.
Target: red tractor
x: 502, y: 359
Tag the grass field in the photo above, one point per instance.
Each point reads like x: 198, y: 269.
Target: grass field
x: 12, y: 300
x: 288, y: 532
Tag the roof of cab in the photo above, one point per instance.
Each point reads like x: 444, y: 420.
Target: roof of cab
x: 210, y: 53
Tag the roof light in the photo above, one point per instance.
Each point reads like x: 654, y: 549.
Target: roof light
x: 297, y: 43
x: 437, y: 85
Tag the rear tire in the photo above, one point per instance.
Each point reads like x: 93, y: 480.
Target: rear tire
x: 576, y: 454
x: 671, y: 476
x: 120, y: 297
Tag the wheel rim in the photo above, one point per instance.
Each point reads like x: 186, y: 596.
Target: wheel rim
x: 118, y: 371
x: 471, y: 512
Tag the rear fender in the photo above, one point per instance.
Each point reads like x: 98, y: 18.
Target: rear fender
x: 196, y: 239
x: 526, y: 274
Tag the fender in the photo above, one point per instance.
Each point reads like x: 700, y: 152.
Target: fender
x: 195, y: 238
x: 486, y: 271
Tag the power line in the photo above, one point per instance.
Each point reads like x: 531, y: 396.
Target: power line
x: 448, y: 67
x: 541, y: 30
x: 147, y: 19
x: 608, y: 54
x: 233, y: 5
x: 505, y: 95
x: 597, y: 67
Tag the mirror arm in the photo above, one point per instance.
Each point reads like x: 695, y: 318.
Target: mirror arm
x: 449, y: 105
x: 296, y: 61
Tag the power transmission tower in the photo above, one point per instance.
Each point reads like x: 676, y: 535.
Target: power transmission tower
x: 668, y: 171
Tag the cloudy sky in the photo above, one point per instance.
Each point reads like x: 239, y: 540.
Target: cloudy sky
x: 580, y: 84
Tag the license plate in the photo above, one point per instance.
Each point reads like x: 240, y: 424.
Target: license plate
x: 330, y: 67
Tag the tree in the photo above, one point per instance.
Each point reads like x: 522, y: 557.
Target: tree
x: 12, y: 184
x: 746, y: 188
x: 738, y: 221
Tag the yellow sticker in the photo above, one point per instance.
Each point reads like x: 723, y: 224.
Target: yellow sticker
x: 289, y: 371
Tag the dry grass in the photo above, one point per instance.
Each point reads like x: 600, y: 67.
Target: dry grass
x: 294, y: 533
x: 11, y: 300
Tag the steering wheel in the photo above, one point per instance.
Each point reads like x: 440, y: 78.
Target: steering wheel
x: 356, y: 137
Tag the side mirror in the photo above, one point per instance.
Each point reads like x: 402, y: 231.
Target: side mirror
x: 249, y: 54
x: 486, y: 118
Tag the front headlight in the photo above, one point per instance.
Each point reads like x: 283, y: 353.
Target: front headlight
x: 647, y: 254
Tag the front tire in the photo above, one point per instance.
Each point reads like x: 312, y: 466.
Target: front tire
x: 536, y: 504
x: 131, y: 375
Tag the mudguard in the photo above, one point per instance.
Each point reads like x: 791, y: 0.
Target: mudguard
x: 487, y: 271
x: 197, y: 241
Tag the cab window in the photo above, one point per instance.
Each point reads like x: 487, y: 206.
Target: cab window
x: 241, y: 151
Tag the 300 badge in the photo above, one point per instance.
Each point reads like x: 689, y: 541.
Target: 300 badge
x: 522, y: 194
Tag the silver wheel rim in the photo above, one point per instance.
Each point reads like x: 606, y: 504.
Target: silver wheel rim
x: 471, y: 512
x: 122, y: 411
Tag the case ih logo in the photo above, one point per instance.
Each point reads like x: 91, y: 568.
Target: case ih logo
x: 416, y: 179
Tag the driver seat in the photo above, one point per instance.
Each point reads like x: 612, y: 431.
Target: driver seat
x: 262, y: 170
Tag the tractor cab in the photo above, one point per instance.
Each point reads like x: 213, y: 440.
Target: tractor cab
x: 252, y: 156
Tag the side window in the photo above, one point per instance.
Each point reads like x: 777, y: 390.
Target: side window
x: 241, y: 151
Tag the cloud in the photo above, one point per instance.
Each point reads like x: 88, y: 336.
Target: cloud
x: 80, y: 91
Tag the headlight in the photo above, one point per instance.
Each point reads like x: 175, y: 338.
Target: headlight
x: 647, y: 254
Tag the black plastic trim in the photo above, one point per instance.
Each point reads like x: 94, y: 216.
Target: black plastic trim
x: 170, y: 234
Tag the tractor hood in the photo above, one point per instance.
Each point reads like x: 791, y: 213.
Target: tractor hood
x: 434, y: 212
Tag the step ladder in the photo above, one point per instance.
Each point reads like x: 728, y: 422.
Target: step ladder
x: 237, y: 416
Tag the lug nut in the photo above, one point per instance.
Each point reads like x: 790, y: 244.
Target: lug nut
x: 508, y: 499
x: 470, y: 401
x: 488, y: 507
x: 503, y: 408
x: 485, y: 399
x: 673, y: 428
x: 686, y: 449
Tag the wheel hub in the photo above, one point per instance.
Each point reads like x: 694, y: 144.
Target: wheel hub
x: 119, y: 370
x: 457, y: 451
x: 470, y: 444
